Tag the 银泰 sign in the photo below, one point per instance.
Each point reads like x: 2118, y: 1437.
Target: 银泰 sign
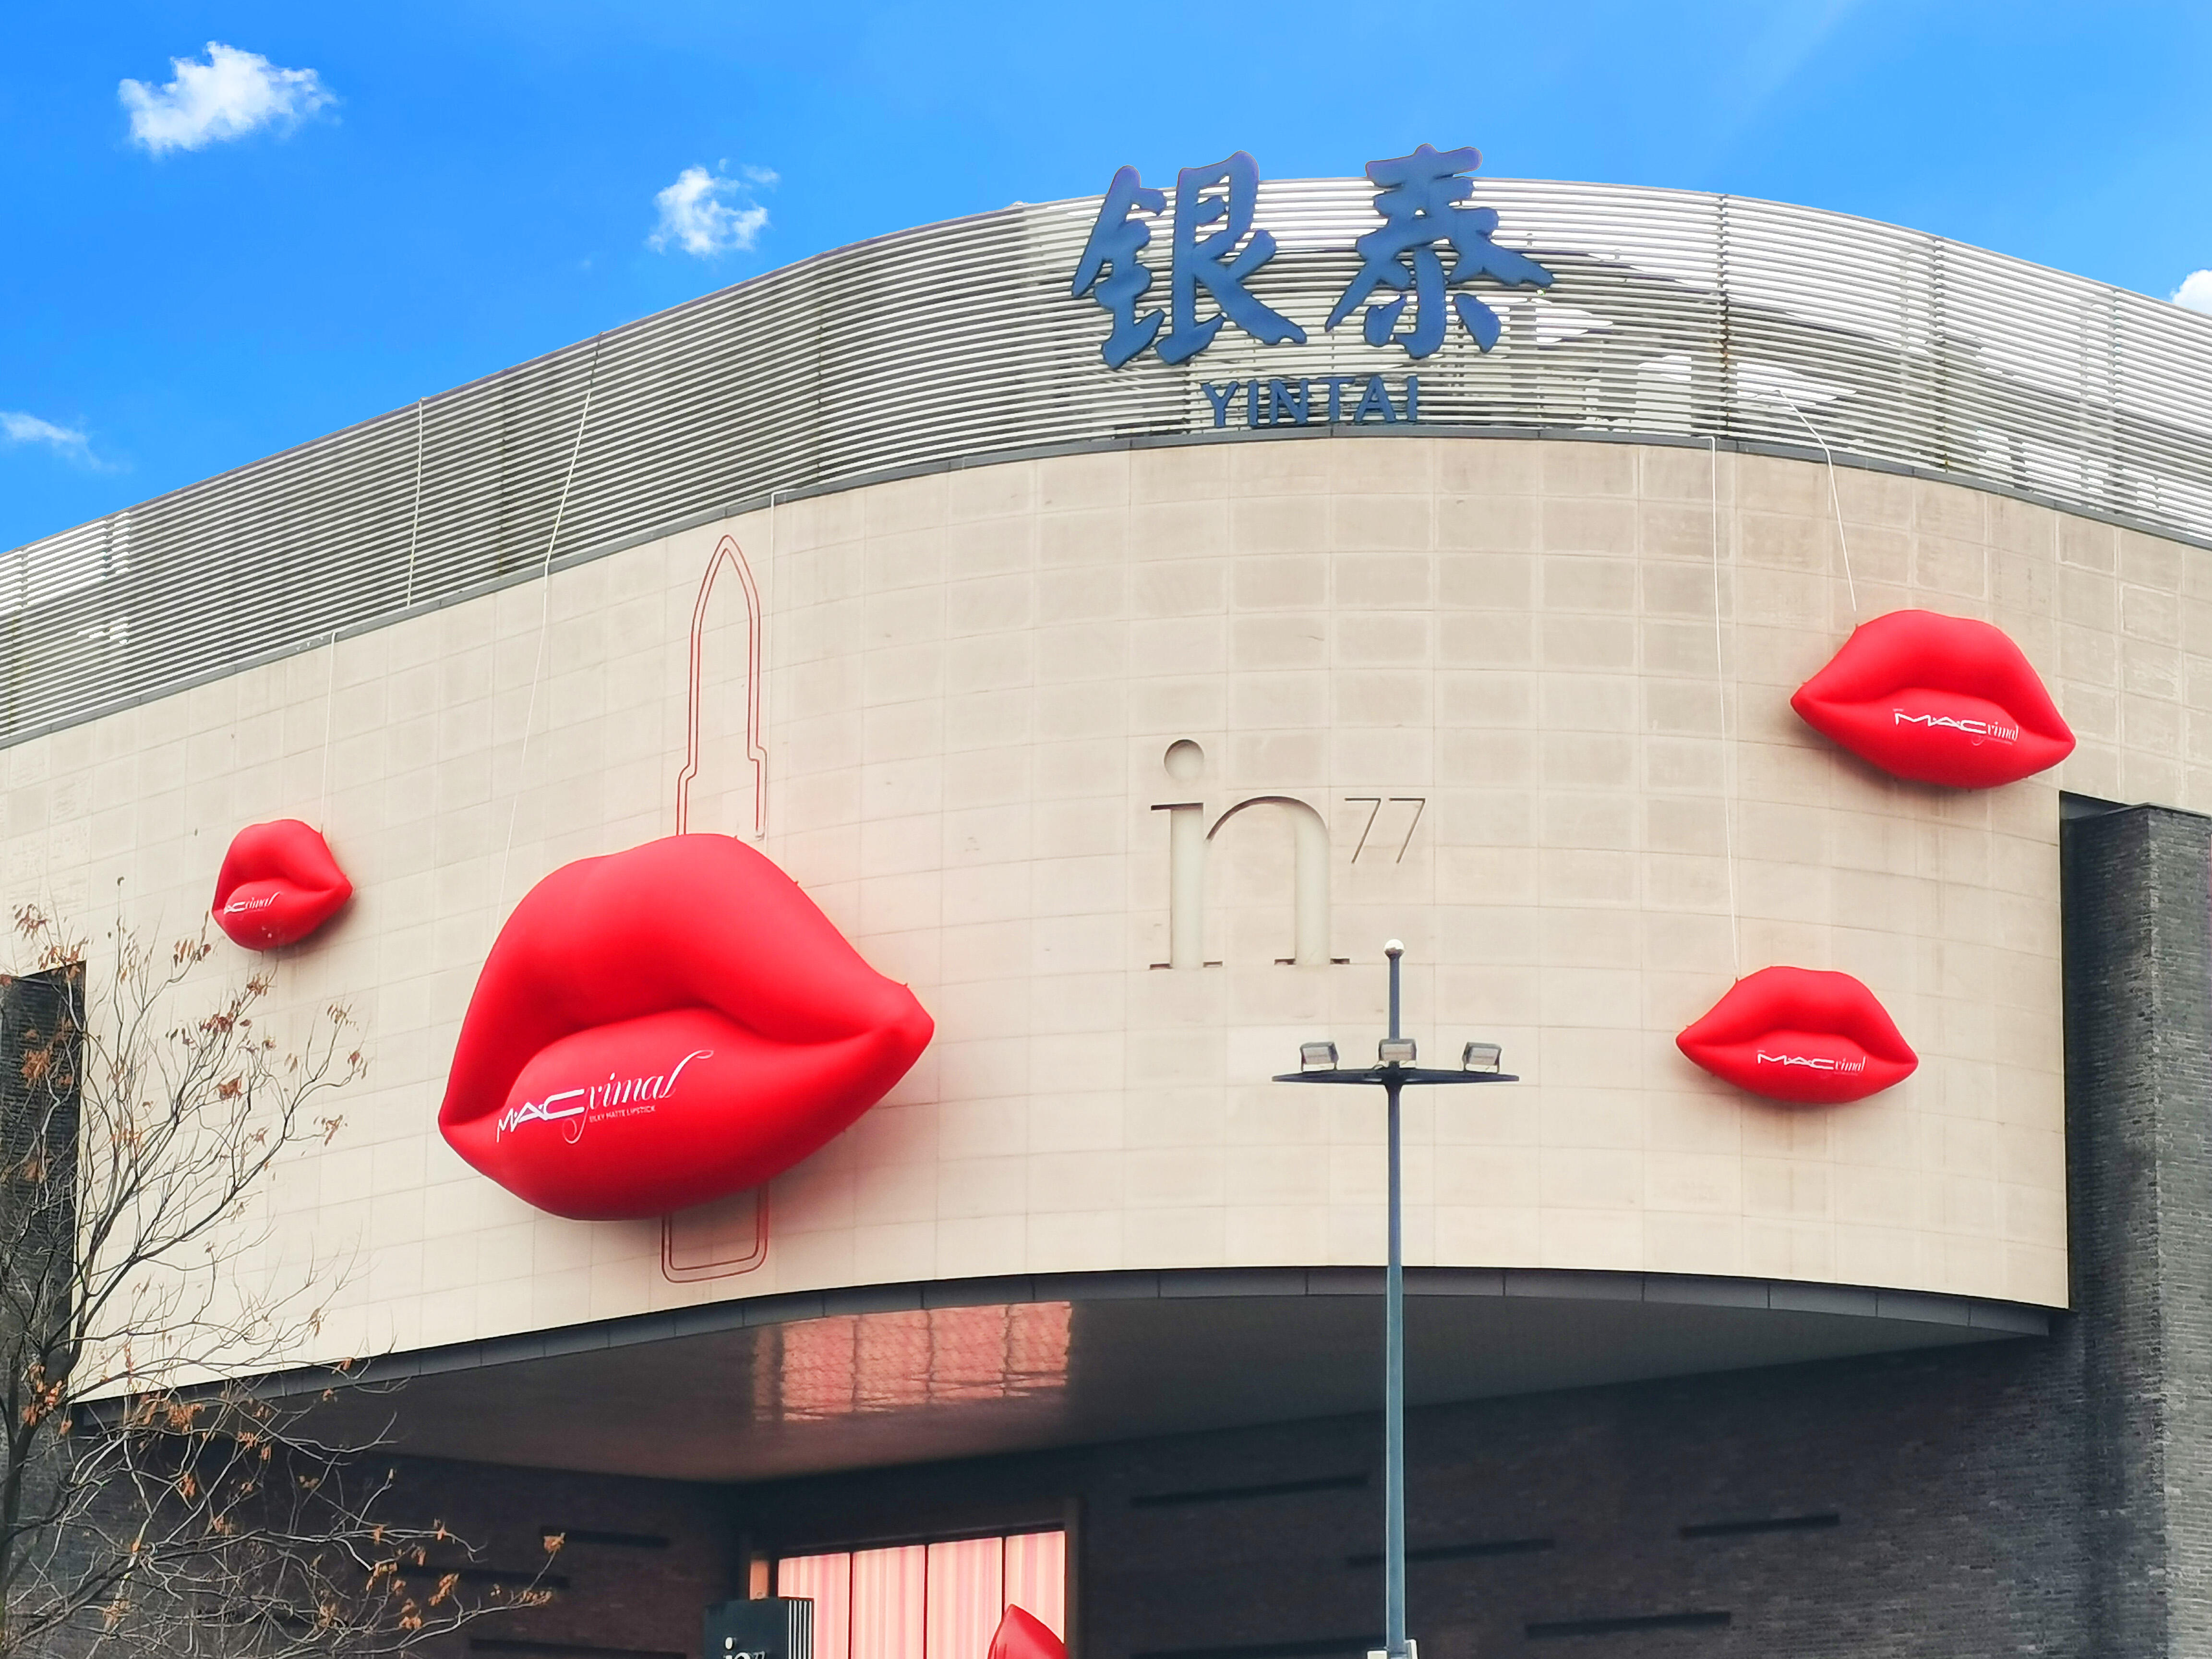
x: 1214, y: 251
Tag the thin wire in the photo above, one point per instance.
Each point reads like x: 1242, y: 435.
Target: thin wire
x: 329, y: 703
x: 1836, y: 505
x: 415, y: 523
x: 545, y: 618
x: 1719, y: 691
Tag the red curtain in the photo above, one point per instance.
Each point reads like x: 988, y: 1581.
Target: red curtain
x: 967, y: 1595
x: 889, y: 1597
x: 826, y: 1581
x: 1036, y: 1577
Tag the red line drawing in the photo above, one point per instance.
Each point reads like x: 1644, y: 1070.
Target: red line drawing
x: 691, y: 1273
x: 726, y: 551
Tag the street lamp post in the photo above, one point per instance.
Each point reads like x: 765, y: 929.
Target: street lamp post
x: 1393, y: 1069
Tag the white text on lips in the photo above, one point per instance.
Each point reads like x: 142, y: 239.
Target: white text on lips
x: 1977, y: 729
x: 1813, y: 1061
x: 596, y: 1100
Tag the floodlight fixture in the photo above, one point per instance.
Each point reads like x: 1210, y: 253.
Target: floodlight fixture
x: 1394, y: 1051
x: 1481, y: 1057
x: 1317, y: 1056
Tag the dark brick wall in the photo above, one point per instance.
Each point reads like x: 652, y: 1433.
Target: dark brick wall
x: 2035, y: 1497
x: 2139, y: 1078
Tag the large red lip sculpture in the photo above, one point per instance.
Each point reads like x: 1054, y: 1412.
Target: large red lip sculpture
x: 659, y: 1027
x: 1022, y: 1635
x: 1799, y: 1035
x: 277, y: 885
x: 1939, y: 698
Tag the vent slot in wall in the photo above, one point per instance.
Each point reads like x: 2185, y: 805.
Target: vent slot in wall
x: 627, y: 1540
x: 1460, y: 1551
x: 1776, y: 1523
x: 1623, y: 1626
x: 1160, y: 1500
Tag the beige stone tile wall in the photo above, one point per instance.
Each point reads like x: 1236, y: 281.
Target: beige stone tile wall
x: 1489, y: 671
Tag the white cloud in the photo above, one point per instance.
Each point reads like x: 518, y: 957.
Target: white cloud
x: 706, y: 213
x: 2194, y: 293
x: 18, y: 427
x: 231, y: 94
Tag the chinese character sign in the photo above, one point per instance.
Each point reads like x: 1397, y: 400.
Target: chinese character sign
x: 1214, y: 251
x: 1115, y: 241
x: 1223, y: 194
x: 1419, y: 202
x: 1214, y: 263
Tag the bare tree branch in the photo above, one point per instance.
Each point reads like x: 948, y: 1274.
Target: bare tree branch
x: 150, y: 1500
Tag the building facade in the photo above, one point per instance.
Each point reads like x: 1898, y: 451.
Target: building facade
x: 1122, y: 711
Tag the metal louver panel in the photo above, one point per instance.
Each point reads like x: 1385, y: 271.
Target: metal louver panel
x: 1672, y: 313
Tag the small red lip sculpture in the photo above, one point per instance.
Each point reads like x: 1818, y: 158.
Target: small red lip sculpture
x: 1939, y: 699
x: 277, y: 885
x: 1799, y: 1035
x: 1022, y: 1635
x: 662, y: 1026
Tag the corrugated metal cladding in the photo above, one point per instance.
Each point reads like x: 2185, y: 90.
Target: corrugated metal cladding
x: 1672, y: 313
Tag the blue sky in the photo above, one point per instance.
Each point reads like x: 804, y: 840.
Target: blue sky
x: 355, y: 206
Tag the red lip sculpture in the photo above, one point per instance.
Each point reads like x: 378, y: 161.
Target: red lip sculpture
x: 1802, y: 1036
x: 662, y: 1026
x: 1022, y: 1635
x: 277, y: 885
x: 1939, y: 698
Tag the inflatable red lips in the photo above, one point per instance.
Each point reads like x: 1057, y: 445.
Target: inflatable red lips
x: 1939, y: 698
x: 1796, y: 1033
x: 1022, y: 1635
x: 277, y: 885
x: 662, y: 1026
